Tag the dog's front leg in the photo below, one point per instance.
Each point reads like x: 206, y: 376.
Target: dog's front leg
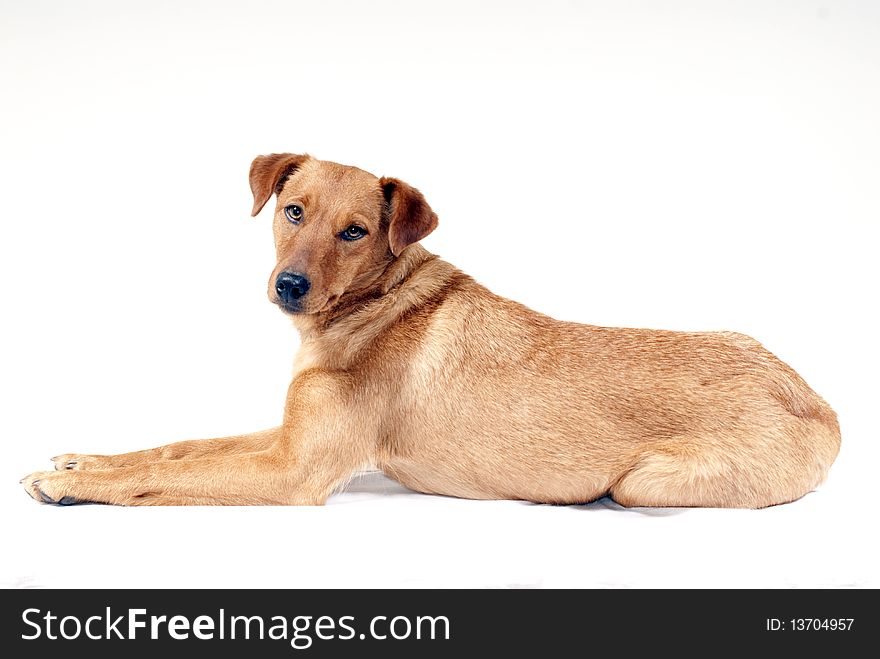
x: 185, y: 450
x: 323, y: 441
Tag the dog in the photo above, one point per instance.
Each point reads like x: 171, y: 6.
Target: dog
x: 409, y: 365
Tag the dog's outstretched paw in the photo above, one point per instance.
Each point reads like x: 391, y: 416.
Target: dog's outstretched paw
x: 32, y: 486
x: 47, y: 487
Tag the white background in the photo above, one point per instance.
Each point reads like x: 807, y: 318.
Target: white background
x: 682, y: 165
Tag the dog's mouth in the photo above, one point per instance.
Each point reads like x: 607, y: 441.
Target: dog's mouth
x: 290, y: 309
x: 296, y: 309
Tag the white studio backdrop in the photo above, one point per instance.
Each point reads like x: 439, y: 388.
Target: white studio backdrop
x: 679, y: 165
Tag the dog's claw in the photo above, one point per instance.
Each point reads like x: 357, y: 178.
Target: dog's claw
x: 67, y: 461
x: 67, y: 501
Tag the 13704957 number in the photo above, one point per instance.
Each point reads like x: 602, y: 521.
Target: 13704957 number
x: 821, y: 624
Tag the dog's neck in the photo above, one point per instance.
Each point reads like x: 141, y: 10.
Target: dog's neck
x: 413, y: 279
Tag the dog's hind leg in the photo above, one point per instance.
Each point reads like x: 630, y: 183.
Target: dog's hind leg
x: 669, y: 477
x: 764, y: 469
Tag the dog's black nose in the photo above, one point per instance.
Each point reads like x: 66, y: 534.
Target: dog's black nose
x: 291, y: 286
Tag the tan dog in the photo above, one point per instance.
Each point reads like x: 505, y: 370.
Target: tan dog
x: 408, y: 364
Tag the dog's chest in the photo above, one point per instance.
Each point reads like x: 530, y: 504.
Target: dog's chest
x: 308, y: 356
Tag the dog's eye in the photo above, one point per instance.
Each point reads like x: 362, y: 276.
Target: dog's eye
x: 354, y: 232
x: 294, y: 213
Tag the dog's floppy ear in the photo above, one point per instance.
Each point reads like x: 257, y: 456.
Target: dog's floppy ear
x: 269, y: 172
x: 409, y: 217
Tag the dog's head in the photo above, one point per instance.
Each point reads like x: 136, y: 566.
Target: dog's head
x: 337, y: 228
